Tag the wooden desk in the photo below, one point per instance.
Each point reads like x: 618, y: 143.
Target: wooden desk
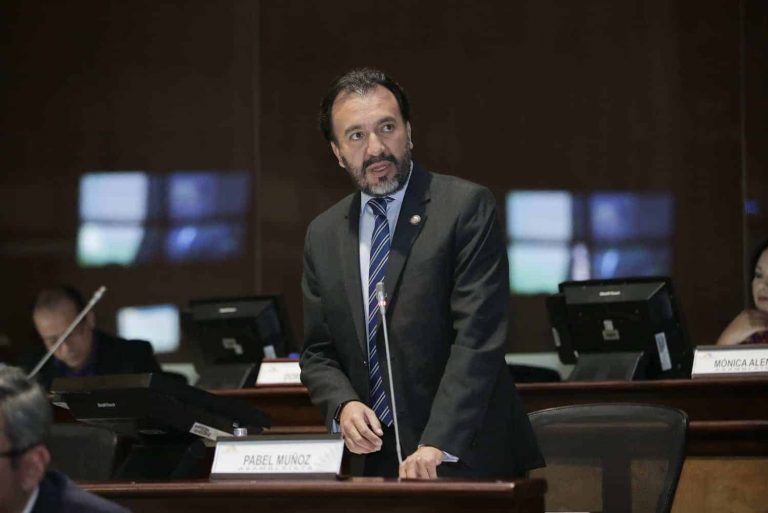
x: 371, y: 495
x: 726, y: 457
x: 728, y: 417
x: 727, y: 451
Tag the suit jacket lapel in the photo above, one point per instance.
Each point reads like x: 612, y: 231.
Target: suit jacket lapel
x: 414, y: 204
x: 349, y: 242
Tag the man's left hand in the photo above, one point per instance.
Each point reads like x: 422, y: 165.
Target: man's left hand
x: 422, y: 464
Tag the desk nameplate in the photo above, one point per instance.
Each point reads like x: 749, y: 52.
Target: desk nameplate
x: 272, y: 456
x: 279, y: 372
x: 730, y: 361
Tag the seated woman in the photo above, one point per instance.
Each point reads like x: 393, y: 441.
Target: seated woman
x: 751, y: 325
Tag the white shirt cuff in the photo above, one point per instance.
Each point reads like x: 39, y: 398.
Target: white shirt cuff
x: 449, y: 458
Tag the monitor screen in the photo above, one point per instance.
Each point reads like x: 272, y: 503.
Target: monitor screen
x: 195, y: 196
x: 114, y: 197
x: 157, y: 324
x: 237, y: 331
x: 134, y: 217
x: 626, y: 315
x: 154, y: 404
x: 163, y: 421
x: 209, y: 241
x: 559, y: 235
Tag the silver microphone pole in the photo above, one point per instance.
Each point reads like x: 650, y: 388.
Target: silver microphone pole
x: 381, y: 298
x: 95, y: 299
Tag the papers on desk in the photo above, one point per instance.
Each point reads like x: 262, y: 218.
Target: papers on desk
x: 279, y: 371
x: 730, y: 361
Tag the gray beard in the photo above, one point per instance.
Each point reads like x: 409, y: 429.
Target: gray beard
x: 388, y: 185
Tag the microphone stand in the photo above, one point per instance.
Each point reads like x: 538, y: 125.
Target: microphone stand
x: 381, y: 298
x: 95, y: 299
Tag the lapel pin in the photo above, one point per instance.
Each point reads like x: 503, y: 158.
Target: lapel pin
x: 415, y: 220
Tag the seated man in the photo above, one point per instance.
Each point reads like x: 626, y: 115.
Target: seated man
x: 25, y: 483
x: 87, y: 351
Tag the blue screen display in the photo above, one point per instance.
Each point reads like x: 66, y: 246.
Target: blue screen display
x: 630, y: 215
x: 212, y: 241
x: 622, y: 262
x: 195, y: 195
x: 554, y: 236
x: 114, y: 197
x: 134, y: 217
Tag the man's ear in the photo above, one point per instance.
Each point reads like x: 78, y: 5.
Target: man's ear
x: 337, y: 152
x: 32, y: 466
x: 408, y: 129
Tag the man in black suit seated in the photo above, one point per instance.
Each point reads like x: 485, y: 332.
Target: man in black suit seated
x: 25, y: 483
x: 87, y: 351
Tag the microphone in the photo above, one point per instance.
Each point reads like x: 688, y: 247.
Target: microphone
x: 381, y: 297
x: 95, y: 299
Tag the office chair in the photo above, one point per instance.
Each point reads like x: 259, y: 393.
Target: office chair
x: 611, y: 458
x: 83, y: 452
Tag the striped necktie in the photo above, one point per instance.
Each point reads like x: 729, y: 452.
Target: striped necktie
x: 380, y: 242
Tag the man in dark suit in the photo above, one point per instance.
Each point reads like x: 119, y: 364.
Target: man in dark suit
x: 435, y: 242
x: 25, y: 484
x: 87, y: 351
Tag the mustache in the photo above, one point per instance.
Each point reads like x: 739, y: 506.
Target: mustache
x: 384, y: 158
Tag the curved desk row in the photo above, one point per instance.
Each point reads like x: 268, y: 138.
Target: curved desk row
x: 727, y: 451
x: 728, y: 417
x: 371, y: 495
x: 725, y: 469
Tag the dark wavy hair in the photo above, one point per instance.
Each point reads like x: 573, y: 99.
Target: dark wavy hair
x: 756, y: 256
x: 360, y: 81
x: 762, y: 247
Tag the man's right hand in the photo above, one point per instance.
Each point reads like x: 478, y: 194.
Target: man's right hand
x: 360, y: 428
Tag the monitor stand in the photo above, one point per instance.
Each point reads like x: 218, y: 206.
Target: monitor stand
x: 609, y: 367
x: 233, y: 375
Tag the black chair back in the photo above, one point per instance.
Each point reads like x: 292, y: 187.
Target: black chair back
x: 612, y: 458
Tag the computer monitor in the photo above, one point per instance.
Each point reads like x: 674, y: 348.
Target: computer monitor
x: 165, y: 418
x: 230, y: 337
x: 630, y: 328
x: 158, y: 324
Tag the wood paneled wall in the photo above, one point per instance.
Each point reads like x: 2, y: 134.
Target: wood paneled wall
x: 640, y: 95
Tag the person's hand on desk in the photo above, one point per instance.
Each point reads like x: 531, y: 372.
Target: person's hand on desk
x: 751, y: 325
x: 422, y: 464
x: 360, y: 428
x: 743, y: 326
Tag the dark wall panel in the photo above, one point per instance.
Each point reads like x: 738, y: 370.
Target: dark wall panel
x: 100, y: 86
x: 755, y: 155
x: 530, y: 94
x: 552, y: 94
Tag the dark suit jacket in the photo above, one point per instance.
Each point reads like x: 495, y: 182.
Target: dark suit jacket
x: 113, y: 356
x: 58, y: 494
x: 447, y: 283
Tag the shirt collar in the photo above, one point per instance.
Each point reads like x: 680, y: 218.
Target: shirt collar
x: 31, y: 501
x: 397, y: 197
